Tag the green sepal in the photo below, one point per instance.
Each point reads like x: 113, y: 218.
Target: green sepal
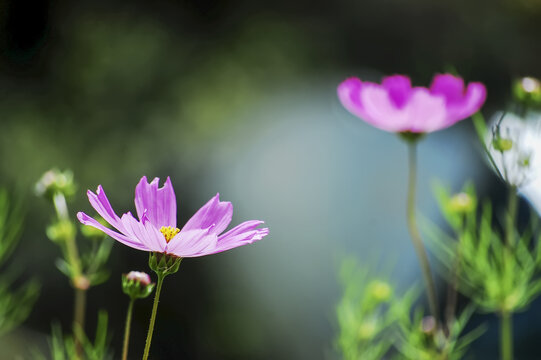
x: 410, y: 137
x: 135, y: 289
x: 164, y: 264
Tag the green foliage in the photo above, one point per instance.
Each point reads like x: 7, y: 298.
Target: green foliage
x: 419, y: 339
x: 11, y: 224
x: 363, y: 313
x: 373, y: 320
x: 63, y: 347
x: 15, y: 305
x: 88, y: 268
x: 496, y: 273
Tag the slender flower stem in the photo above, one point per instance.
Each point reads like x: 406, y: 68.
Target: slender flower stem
x: 416, y: 236
x: 511, y: 217
x: 79, y: 308
x: 506, y: 335
x: 506, y: 316
x: 127, y: 330
x: 159, y: 284
x: 72, y: 256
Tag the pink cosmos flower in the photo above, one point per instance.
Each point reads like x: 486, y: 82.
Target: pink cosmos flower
x: 156, y: 229
x: 396, y: 106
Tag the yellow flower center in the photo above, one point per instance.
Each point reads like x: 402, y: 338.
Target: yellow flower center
x: 169, y: 232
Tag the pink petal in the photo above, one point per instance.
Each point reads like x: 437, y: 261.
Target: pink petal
x: 398, y: 89
x: 145, y: 232
x: 242, y: 234
x: 426, y: 112
x: 101, y: 204
x: 349, y: 94
x: 192, y: 243
x: 472, y: 101
x: 449, y: 86
x: 460, y: 104
x: 380, y: 111
x: 129, y: 241
x: 159, y: 203
x: 214, y: 215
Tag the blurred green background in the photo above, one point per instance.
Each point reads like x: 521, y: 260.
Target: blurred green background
x: 238, y: 97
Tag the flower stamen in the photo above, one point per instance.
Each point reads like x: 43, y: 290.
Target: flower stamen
x: 169, y: 232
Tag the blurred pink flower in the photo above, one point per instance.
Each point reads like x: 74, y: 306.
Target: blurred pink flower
x: 156, y: 229
x: 396, y: 106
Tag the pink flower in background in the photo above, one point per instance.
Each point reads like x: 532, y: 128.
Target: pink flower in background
x: 156, y: 229
x: 396, y: 106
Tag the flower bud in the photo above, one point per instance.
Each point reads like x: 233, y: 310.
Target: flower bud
x: 428, y: 325
x: 368, y: 329
x: 61, y: 231
x: 461, y: 203
x: 527, y: 90
x: 55, y: 181
x: 137, y: 284
x: 379, y: 290
x: 502, y: 144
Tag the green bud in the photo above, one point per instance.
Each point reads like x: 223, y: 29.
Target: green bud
x: 511, y: 301
x: 137, y: 285
x: 61, y: 231
x: 164, y: 264
x: 502, y: 144
x: 527, y: 90
x: 524, y: 161
x: 461, y: 203
x: 55, y: 181
x: 368, y: 329
x: 379, y: 290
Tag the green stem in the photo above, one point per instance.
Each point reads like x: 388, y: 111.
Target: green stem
x: 506, y: 321
x: 127, y: 330
x: 161, y: 276
x: 416, y: 236
x: 511, y: 217
x: 506, y: 335
x: 79, y: 317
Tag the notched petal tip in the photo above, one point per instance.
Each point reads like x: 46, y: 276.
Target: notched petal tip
x: 81, y: 217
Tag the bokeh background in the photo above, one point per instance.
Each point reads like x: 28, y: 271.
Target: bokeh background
x: 239, y: 97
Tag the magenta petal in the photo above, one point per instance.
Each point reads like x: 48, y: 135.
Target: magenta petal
x: 380, y: 111
x: 242, y: 234
x: 449, y: 86
x: 192, y: 243
x: 398, y: 89
x: 426, y: 113
x: 159, y: 203
x: 101, y: 204
x: 474, y: 98
x: 241, y: 228
x: 349, y: 93
x: 146, y: 233
x: 131, y: 242
x: 215, y: 214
